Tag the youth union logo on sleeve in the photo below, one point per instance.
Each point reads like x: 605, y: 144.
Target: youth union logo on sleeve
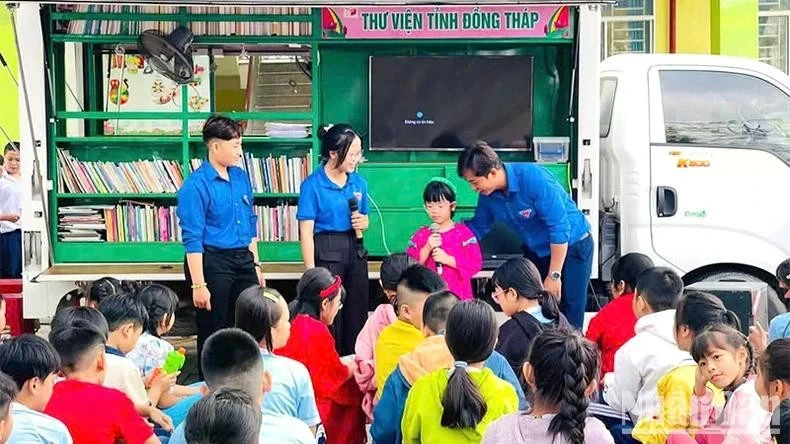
x: 526, y: 214
x: 358, y: 195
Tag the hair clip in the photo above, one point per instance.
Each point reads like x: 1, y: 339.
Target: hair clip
x: 332, y: 289
x: 268, y: 295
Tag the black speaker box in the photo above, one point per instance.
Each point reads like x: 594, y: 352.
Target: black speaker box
x: 749, y: 300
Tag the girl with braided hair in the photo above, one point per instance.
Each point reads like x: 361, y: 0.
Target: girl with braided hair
x: 724, y: 358
x: 562, y: 373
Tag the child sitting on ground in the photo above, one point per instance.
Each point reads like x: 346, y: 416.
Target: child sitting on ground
x: 391, y: 268
x: 104, y: 414
x: 518, y: 289
x: 562, y: 373
x: 449, y: 248
x: 263, y: 313
x: 319, y: 298
x: 415, y: 284
x: 614, y: 324
x: 652, y: 352
x: 33, y: 365
x: 724, y: 359
x: 430, y: 355
x: 457, y: 405
x: 232, y: 360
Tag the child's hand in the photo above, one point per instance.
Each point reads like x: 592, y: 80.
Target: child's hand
x: 758, y: 338
x: 434, y: 241
x: 701, y: 380
x: 163, y: 381
x: 157, y: 417
x: 442, y: 257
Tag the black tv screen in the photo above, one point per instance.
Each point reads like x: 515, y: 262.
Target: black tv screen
x: 440, y: 103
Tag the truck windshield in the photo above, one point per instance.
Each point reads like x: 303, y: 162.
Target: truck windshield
x: 726, y: 109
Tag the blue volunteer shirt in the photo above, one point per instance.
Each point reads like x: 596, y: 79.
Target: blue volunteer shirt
x: 535, y: 206
x: 216, y: 212
x: 322, y: 201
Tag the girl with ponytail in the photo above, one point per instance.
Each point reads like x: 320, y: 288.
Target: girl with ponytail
x: 319, y: 299
x: 457, y: 406
x: 562, y: 372
x: 696, y: 311
x: 518, y: 289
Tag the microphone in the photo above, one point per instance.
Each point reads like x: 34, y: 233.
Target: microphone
x: 353, y: 207
x: 435, y: 230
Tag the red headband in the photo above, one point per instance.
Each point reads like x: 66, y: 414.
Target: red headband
x: 332, y: 289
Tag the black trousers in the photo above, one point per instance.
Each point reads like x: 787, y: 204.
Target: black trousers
x: 342, y: 255
x: 227, y: 274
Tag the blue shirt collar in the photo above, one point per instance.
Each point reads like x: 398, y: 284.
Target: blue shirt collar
x: 510, y: 175
x: 326, y: 182
x: 211, y: 172
x: 113, y: 351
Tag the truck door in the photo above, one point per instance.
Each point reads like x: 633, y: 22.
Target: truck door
x: 719, y: 174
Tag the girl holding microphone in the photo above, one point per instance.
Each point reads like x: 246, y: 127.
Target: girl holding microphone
x: 333, y: 214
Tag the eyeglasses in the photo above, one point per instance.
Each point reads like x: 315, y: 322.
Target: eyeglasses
x: 496, y: 293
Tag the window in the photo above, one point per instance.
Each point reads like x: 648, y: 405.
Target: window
x: 608, y: 90
x: 725, y: 109
x: 773, y: 25
x: 627, y: 27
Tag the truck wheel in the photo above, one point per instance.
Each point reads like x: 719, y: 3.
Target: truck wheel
x: 775, y: 305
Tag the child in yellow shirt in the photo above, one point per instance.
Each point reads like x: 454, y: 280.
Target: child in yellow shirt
x: 403, y: 335
x: 695, y: 312
x: 457, y: 405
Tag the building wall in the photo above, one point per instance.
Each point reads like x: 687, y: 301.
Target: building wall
x: 728, y: 27
x: 9, y: 114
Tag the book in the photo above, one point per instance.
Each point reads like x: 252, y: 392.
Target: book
x: 277, y: 223
x: 105, y: 177
x: 124, y: 222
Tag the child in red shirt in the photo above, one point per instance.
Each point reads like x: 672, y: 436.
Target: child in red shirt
x: 614, y: 324
x: 319, y: 298
x: 93, y: 414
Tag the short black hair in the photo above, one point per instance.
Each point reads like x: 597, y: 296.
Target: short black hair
x: 108, y: 286
x: 629, y: 267
x: 11, y: 146
x: 75, y: 343
x: 26, y: 357
x: 437, y: 308
x: 479, y: 158
x: 783, y: 272
x: 392, y: 267
x: 123, y: 308
x: 418, y: 277
x: 8, y: 392
x: 161, y: 302
x: 232, y: 358
x: 225, y: 416
x: 66, y: 317
x: 660, y: 287
x: 221, y: 127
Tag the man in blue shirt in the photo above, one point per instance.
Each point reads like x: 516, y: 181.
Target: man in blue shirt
x: 219, y: 229
x: 529, y: 200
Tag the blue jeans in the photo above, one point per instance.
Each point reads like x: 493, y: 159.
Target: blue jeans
x: 575, y: 278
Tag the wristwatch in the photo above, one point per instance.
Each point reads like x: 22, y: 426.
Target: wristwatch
x: 556, y: 275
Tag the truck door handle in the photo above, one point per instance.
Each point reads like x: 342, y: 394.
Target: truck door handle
x: 666, y: 202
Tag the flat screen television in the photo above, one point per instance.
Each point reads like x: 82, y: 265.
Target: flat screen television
x: 445, y: 103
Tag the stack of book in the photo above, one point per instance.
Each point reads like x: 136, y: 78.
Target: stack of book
x: 125, y: 222
x: 137, y: 177
x: 287, y: 130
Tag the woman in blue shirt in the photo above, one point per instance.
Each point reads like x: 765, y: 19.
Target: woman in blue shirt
x: 554, y: 233
x: 331, y: 233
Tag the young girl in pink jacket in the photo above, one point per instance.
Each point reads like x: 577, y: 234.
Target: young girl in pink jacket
x: 449, y: 248
x: 391, y: 268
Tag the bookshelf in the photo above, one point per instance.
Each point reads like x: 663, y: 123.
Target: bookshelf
x: 114, y: 184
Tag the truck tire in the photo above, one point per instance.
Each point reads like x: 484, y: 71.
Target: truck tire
x: 775, y: 305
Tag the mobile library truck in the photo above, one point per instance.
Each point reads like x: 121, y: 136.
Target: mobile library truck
x: 683, y: 158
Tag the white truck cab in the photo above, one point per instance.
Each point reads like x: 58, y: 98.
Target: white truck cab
x: 695, y: 163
